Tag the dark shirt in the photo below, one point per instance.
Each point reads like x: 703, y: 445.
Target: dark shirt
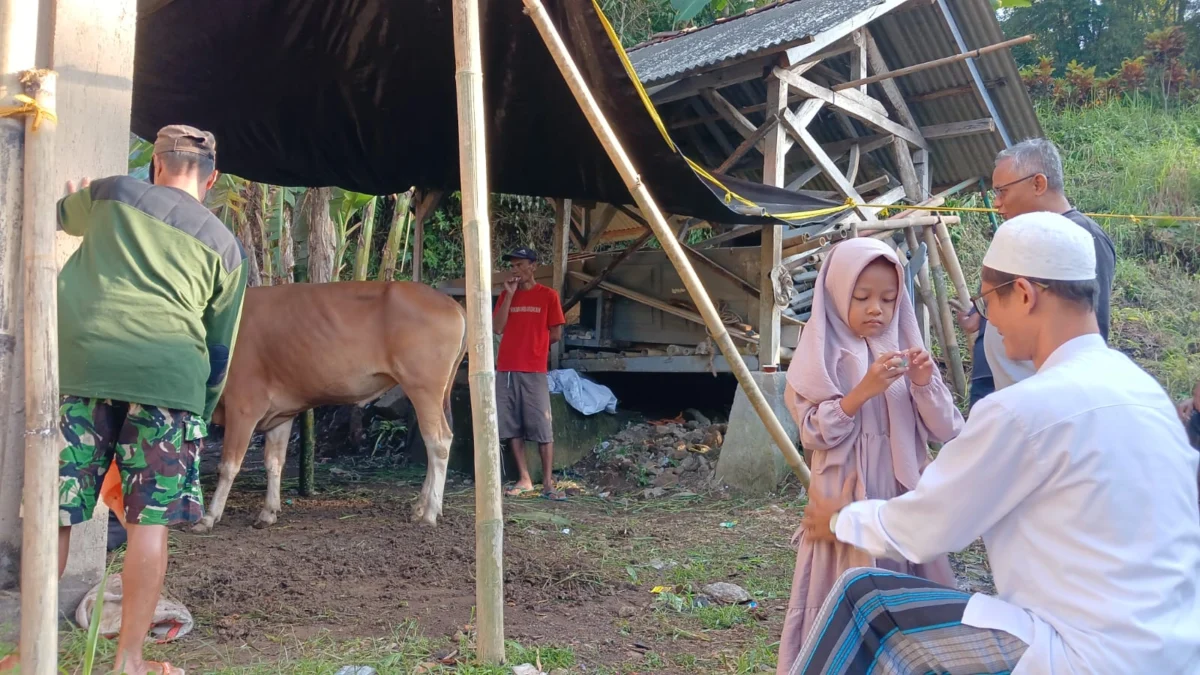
x: 1106, y: 265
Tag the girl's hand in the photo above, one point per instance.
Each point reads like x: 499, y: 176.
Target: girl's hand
x: 888, y: 368
x: 920, y: 367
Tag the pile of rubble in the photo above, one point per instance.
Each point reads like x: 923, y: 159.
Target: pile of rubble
x: 661, y: 455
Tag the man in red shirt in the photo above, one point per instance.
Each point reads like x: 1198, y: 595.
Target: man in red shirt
x: 528, y: 319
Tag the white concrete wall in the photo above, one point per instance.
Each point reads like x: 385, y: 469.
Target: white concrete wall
x: 90, y: 45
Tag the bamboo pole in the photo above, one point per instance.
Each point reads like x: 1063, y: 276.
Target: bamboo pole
x: 472, y: 163
x: 874, y: 227
x: 654, y: 217
x: 954, y: 270
x: 947, y: 318
x: 975, y: 53
x: 924, y: 290
x: 39, y: 545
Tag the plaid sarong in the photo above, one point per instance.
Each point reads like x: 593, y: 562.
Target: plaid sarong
x: 884, y: 623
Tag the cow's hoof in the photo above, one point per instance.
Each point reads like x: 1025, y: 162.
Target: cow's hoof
x: 265, y: 520
x: 204, y: 526
x: 424, y: 516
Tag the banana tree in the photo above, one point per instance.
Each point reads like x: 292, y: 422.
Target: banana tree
x: 342, y: 208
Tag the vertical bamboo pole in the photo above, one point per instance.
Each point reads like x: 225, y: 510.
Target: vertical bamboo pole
x: 562, y: 223
x: 954, y: 270
x: 925, y: 290
x: 953, y: 355
x: 671, y: 245
x: 472, y: 162
x: 322, y: 242
x: 39, y: 546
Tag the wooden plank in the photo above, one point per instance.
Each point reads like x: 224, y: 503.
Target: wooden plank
x: 750, y: 141
x: 837, y: 150
x: 717, y: 133
x: 721, y: 270
x: 730, y: 113
x: 858, y: 58
x: 855, y: 160
x: 934, y: 132
x: 850, y: 107
x: 736, y: 232
x: 660, y: 305
x: 697, y: 363
x: 608, y: 269
x: 770, y: 248
x: 956, y: 91
x: 908, y: 173
x: 801, y: 119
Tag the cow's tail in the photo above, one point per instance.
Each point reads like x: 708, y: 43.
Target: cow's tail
x: 462, y: 353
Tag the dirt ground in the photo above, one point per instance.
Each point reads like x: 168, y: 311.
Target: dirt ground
x: 348, y: 566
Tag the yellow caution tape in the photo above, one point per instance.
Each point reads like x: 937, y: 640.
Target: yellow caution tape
x: 29, y: 107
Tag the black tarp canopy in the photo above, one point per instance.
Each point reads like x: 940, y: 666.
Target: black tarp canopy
x: 360, y: 94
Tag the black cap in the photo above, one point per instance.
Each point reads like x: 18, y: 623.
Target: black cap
x: 522, y: 253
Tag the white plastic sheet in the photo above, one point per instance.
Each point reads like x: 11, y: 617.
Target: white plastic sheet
x: 582, y: 394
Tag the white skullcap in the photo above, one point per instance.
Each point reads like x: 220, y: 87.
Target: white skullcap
x: 1042, y: 245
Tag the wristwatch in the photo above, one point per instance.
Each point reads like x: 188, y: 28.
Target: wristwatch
x: 833, y: 522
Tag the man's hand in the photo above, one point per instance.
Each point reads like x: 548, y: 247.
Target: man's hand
x: 1185, y: 409
x: 83, y: 183
x: 819, y: 512
x: 511, y: 283
x: 968, y: 318
x: 920, y: 366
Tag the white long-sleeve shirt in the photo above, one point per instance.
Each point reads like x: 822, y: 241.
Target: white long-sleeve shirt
x: 1082, y: 484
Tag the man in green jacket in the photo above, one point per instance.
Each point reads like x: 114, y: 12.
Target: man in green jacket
x: 148, y: 311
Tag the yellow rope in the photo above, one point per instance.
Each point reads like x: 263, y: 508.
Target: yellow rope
x: 29, y: 107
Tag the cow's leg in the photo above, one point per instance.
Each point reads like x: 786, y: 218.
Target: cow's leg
x: 435, y: 431
x: 239, y: 427
x: 274, y: 456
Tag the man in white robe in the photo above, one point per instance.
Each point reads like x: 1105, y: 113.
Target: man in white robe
x: 1081, y: 482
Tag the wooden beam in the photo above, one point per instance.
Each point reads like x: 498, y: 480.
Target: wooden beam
x: 770, y: 249
x: 750, y: 141
x: 608, y: 269
x: 955, y: 91
x: 936, y: 63
x: 426, y: 202
x: 855, y: 160
x: 890, y: 90
x: 838, y: 150
x: 863, y: 188
x: 692, y: 85
x: 730, y: 113
x: 986, y: 125
x: 655, y: 303
x: 852, y: 108
x: 717, y: 133
x: 858, y: 58
x: 558, y: 262
x: 810, y: 145
x: 801, y: 119
x: 908, y: 173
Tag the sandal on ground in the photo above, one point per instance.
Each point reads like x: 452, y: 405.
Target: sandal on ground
x: 554, y: 495
x: 516, y: 491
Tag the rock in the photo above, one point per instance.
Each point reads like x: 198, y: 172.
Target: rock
x: 694, y: 437
x: 679, y: 454
x: 690, y: 463
x: 357, y: 670
x: 725, y: 593
x: 627, y: 611
x: 662, y: 430
x: 713, y: 437
x: 527, y: 669
x: 667, y: 479
x: 653, y: 493
x: 692, y: 425
x: 697, y: 416
x: 559, y: 671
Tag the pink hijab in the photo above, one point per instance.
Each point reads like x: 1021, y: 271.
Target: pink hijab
x: 832, y: 359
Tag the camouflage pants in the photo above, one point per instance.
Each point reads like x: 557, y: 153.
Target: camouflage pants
x: 157, y: 452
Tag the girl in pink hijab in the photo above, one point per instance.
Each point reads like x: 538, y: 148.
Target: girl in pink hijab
x: 868, y: 400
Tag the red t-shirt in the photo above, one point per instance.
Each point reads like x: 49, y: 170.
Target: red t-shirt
x: 525, y: 344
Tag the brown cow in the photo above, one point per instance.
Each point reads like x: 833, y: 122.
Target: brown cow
x: 304, y: 345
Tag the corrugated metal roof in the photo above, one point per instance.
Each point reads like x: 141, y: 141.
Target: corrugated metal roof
x: 916, y: 33
x: 762, y: 30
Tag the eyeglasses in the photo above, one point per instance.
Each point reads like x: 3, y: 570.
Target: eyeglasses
x: 980, y: 301
x: 1001, y: 189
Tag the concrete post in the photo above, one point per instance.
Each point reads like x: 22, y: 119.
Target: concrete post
x: 90, y: 45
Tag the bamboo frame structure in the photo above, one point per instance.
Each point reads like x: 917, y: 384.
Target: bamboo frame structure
x: 472, y: 161
x: 43, y: 441
x: 953, y: 355
x: 654, y: 217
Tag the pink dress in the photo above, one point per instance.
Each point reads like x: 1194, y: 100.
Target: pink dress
x: 824, y: 427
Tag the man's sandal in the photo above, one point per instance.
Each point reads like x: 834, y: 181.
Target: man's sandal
x: 554, y: 495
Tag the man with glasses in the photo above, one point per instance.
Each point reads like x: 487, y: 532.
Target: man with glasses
x: 1078, y: 479
x: 1028, y: 177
